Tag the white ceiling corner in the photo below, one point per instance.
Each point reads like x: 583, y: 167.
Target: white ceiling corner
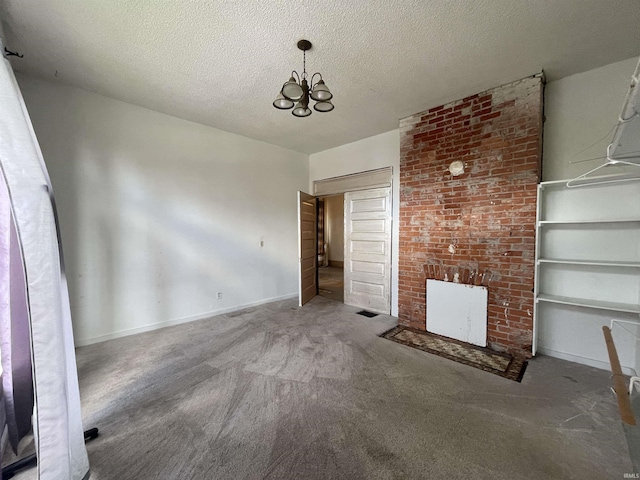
x: 221, y: 63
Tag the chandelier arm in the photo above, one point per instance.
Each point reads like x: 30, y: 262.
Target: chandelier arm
x: 312, y: 77
x: 296, y: 74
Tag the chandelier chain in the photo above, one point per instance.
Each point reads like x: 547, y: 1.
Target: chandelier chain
x: 304, y: 64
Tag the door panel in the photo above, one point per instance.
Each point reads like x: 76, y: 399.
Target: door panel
x: 367, y: 266
x: 307, y: 245
x: 371, y: 226
x: 369, y: 205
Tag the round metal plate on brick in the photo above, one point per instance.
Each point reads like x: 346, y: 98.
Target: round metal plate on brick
x: 456, y: 168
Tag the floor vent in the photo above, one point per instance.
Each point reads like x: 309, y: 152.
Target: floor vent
x: 364, y: 313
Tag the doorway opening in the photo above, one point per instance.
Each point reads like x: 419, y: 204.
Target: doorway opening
x: 367, y: 223
x: 331, y: 247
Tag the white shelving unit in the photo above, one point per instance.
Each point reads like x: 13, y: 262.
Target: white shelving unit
x: 587, y: 270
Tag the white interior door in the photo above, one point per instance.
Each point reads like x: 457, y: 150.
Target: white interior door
x: 307, y: 244
x: 367, y: 261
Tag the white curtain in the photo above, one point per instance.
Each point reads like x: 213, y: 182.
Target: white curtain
x: 58, y: 424
x: 15, y: 337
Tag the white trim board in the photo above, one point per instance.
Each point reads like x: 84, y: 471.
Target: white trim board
x: 378, y: 178
x: 156, y: 326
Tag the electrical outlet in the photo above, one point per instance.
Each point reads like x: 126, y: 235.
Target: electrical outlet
x: 219, y: 295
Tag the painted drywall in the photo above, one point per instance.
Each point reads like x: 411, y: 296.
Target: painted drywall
x: 581, y: 112
x: 159, y: 214
x: 636, y: 365
x: 370, y: 153
x: 334, y: 210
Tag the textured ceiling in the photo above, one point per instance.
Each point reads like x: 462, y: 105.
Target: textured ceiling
x: 221, y: 63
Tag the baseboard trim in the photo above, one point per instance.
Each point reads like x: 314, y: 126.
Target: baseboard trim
x: 82, y: 342
x: 336, y: 263
x: 583, y: 360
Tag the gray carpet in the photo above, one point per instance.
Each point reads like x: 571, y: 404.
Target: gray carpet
x: 633, y: 433
x: 281, y: 392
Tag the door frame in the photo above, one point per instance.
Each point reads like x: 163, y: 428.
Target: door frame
x: 379, y: 178
x: 365, y: 180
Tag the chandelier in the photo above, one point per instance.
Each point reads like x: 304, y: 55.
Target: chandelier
x: 297, y: 90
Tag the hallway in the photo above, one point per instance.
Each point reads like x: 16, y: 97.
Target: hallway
x: 331, y: 283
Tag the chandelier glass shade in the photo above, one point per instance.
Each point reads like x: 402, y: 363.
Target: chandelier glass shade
x: 295, y: 93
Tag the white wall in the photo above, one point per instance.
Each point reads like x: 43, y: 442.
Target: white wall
x: 581, y: 111
x: 159, y: 214
x: 636, y: 365
x: 334, y: 211
x: 369, y: 154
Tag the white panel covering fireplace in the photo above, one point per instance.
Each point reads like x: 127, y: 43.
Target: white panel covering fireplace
x: 456, y: 310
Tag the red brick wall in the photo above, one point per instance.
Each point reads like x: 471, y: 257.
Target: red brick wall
x: 487, y: 214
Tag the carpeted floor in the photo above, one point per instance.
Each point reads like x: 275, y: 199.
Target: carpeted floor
x: 633, y: 434
x: 281, y: 392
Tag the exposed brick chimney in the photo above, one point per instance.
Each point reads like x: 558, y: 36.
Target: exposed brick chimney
x: 486, y: 215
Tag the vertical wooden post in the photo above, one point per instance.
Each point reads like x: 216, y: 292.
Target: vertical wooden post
x: 619, y: 384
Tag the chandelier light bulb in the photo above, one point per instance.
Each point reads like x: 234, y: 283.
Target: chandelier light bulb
x: 323, y: 107
x: 282, y: 103
x: 292, y: 90
x: 301, y: 110
x: 321, y: 92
